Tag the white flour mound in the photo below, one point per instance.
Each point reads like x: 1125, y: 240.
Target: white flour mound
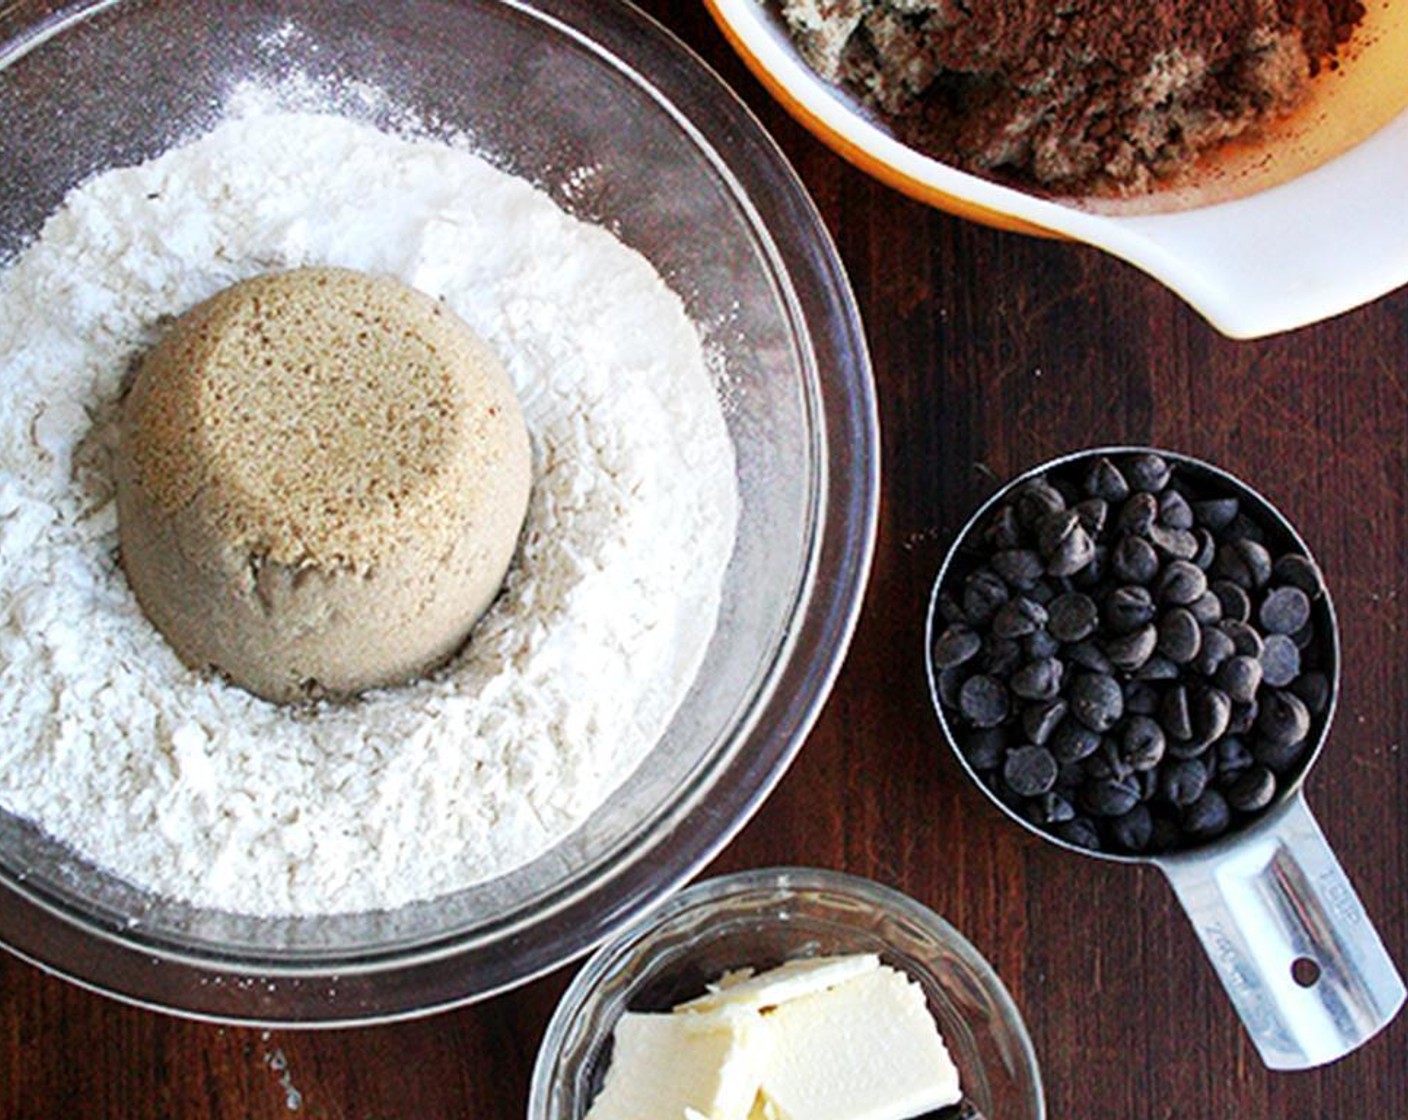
x: 194, y: 789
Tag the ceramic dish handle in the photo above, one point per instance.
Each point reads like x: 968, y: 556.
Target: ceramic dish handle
x: 1327, y: 241
x: 1290, y: 940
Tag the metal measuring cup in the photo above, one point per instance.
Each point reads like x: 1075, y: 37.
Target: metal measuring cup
x: 1275, y: 912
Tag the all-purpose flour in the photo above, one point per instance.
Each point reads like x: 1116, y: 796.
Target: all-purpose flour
x: 191, y: 788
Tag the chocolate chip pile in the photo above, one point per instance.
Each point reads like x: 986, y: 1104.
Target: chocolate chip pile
x: 1128, y: 659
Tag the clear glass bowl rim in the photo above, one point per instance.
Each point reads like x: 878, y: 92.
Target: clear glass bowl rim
x: 92, y: 954
x: 603, y: 963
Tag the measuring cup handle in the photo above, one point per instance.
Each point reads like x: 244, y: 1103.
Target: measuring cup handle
x: 1290, y: 940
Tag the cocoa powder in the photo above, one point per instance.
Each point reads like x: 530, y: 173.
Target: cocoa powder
x: 1073, y: 96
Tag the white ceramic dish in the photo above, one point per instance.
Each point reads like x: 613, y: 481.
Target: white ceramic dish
x: 1294, y: 229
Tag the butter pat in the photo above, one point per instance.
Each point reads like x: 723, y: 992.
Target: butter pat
x: 786, y: 982
x: 684, y: 1067
x: 866, y: 1049
x: 830, y: 1038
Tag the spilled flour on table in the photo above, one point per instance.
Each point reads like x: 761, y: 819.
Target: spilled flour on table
x: 196, y: 790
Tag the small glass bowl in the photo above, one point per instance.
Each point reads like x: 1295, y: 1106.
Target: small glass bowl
x: 759, y: 919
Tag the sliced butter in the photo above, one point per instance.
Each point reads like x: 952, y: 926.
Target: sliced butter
x: 866, y: 1049
x: 830, y: 1038
x: 684, y: 1067
x: 781, y: 984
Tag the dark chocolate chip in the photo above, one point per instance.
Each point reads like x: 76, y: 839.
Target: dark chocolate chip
x: 1244, y: 527
x: 1174, y: 714
x: 950, y: 609
x: 1180, y: 544
x: 1000, y: 655
x: 1236, y: 603
x: 1039, y: 644
x: 1253, y: 790
x: 1040, y: 720
x: 1093, y: 513
x: 1215, y: 649
x: 1029, y: 771
x: 1147, y: 471
x: 1244, y: 562
x: 984, y: 748
x: 1036, y: 499
x: 1106, y: 763
x: 1174, y: 510
x: 1284, y: 610
x: 1182, y: 781
x: 1019, y: 568
x: 1072, y: 617
x: 950, y: 681
x: 1240, y: 676
x: 1076, y: 552
x: 1280, y: 661
x: 1284, y: 717
x: 1244, y: 637
x: 1280, y: 758
x: 1158, y: 668
x: 1129, y: 652
x: 1188, y: 748
x: 1089, y: 656
x: 1215, y: 513
x: 1243, y: 718
x: 1138, y: 514
x: 1110, y: 797
x: 1003, y: 531
x: 957, y: 644
x: 1072, y: 741
x: 1079, y: 833
x: 1096, y: 700
x: 1299, y: 571
x: 1167, y: 835
x: 1053, y: 529
x: 1207, y: 817
x: 1133, y: 831
x: 1107, y: 481
x: 1048, y: 809
x: 1180, y: 636
x: 1232, y: 755
x: 1134, y: 560
x: 983, y: 593
x: 1018, y: 618
x: 1038, y: 680
x: 1210, y: 711
x: 1128, y: 608
x: 1180, y: 583
x: 1142, y: 743
x: 983, y: 700
x: 1314, y: 689
x: 1207, y: 549
x: 1141, y: 698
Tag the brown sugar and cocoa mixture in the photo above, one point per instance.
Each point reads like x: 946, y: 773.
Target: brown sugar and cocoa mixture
x: 1073, y: 96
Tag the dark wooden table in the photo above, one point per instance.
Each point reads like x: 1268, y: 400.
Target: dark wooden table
x: 992, y: 351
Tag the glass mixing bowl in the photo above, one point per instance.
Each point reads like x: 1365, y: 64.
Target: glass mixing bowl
x: 681, y: 172
x: 759, y: 919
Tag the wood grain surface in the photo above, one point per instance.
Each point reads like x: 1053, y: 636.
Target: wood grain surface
x: 992, y: 352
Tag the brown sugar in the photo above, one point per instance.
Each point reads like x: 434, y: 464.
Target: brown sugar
x: 1073, y: 96
x: 322, y: 476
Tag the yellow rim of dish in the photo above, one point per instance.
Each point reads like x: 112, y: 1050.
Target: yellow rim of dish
x: 1348, y: 106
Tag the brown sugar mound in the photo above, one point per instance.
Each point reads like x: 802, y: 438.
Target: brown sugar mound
x: 1073, y: 96
x: 321, y: 480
